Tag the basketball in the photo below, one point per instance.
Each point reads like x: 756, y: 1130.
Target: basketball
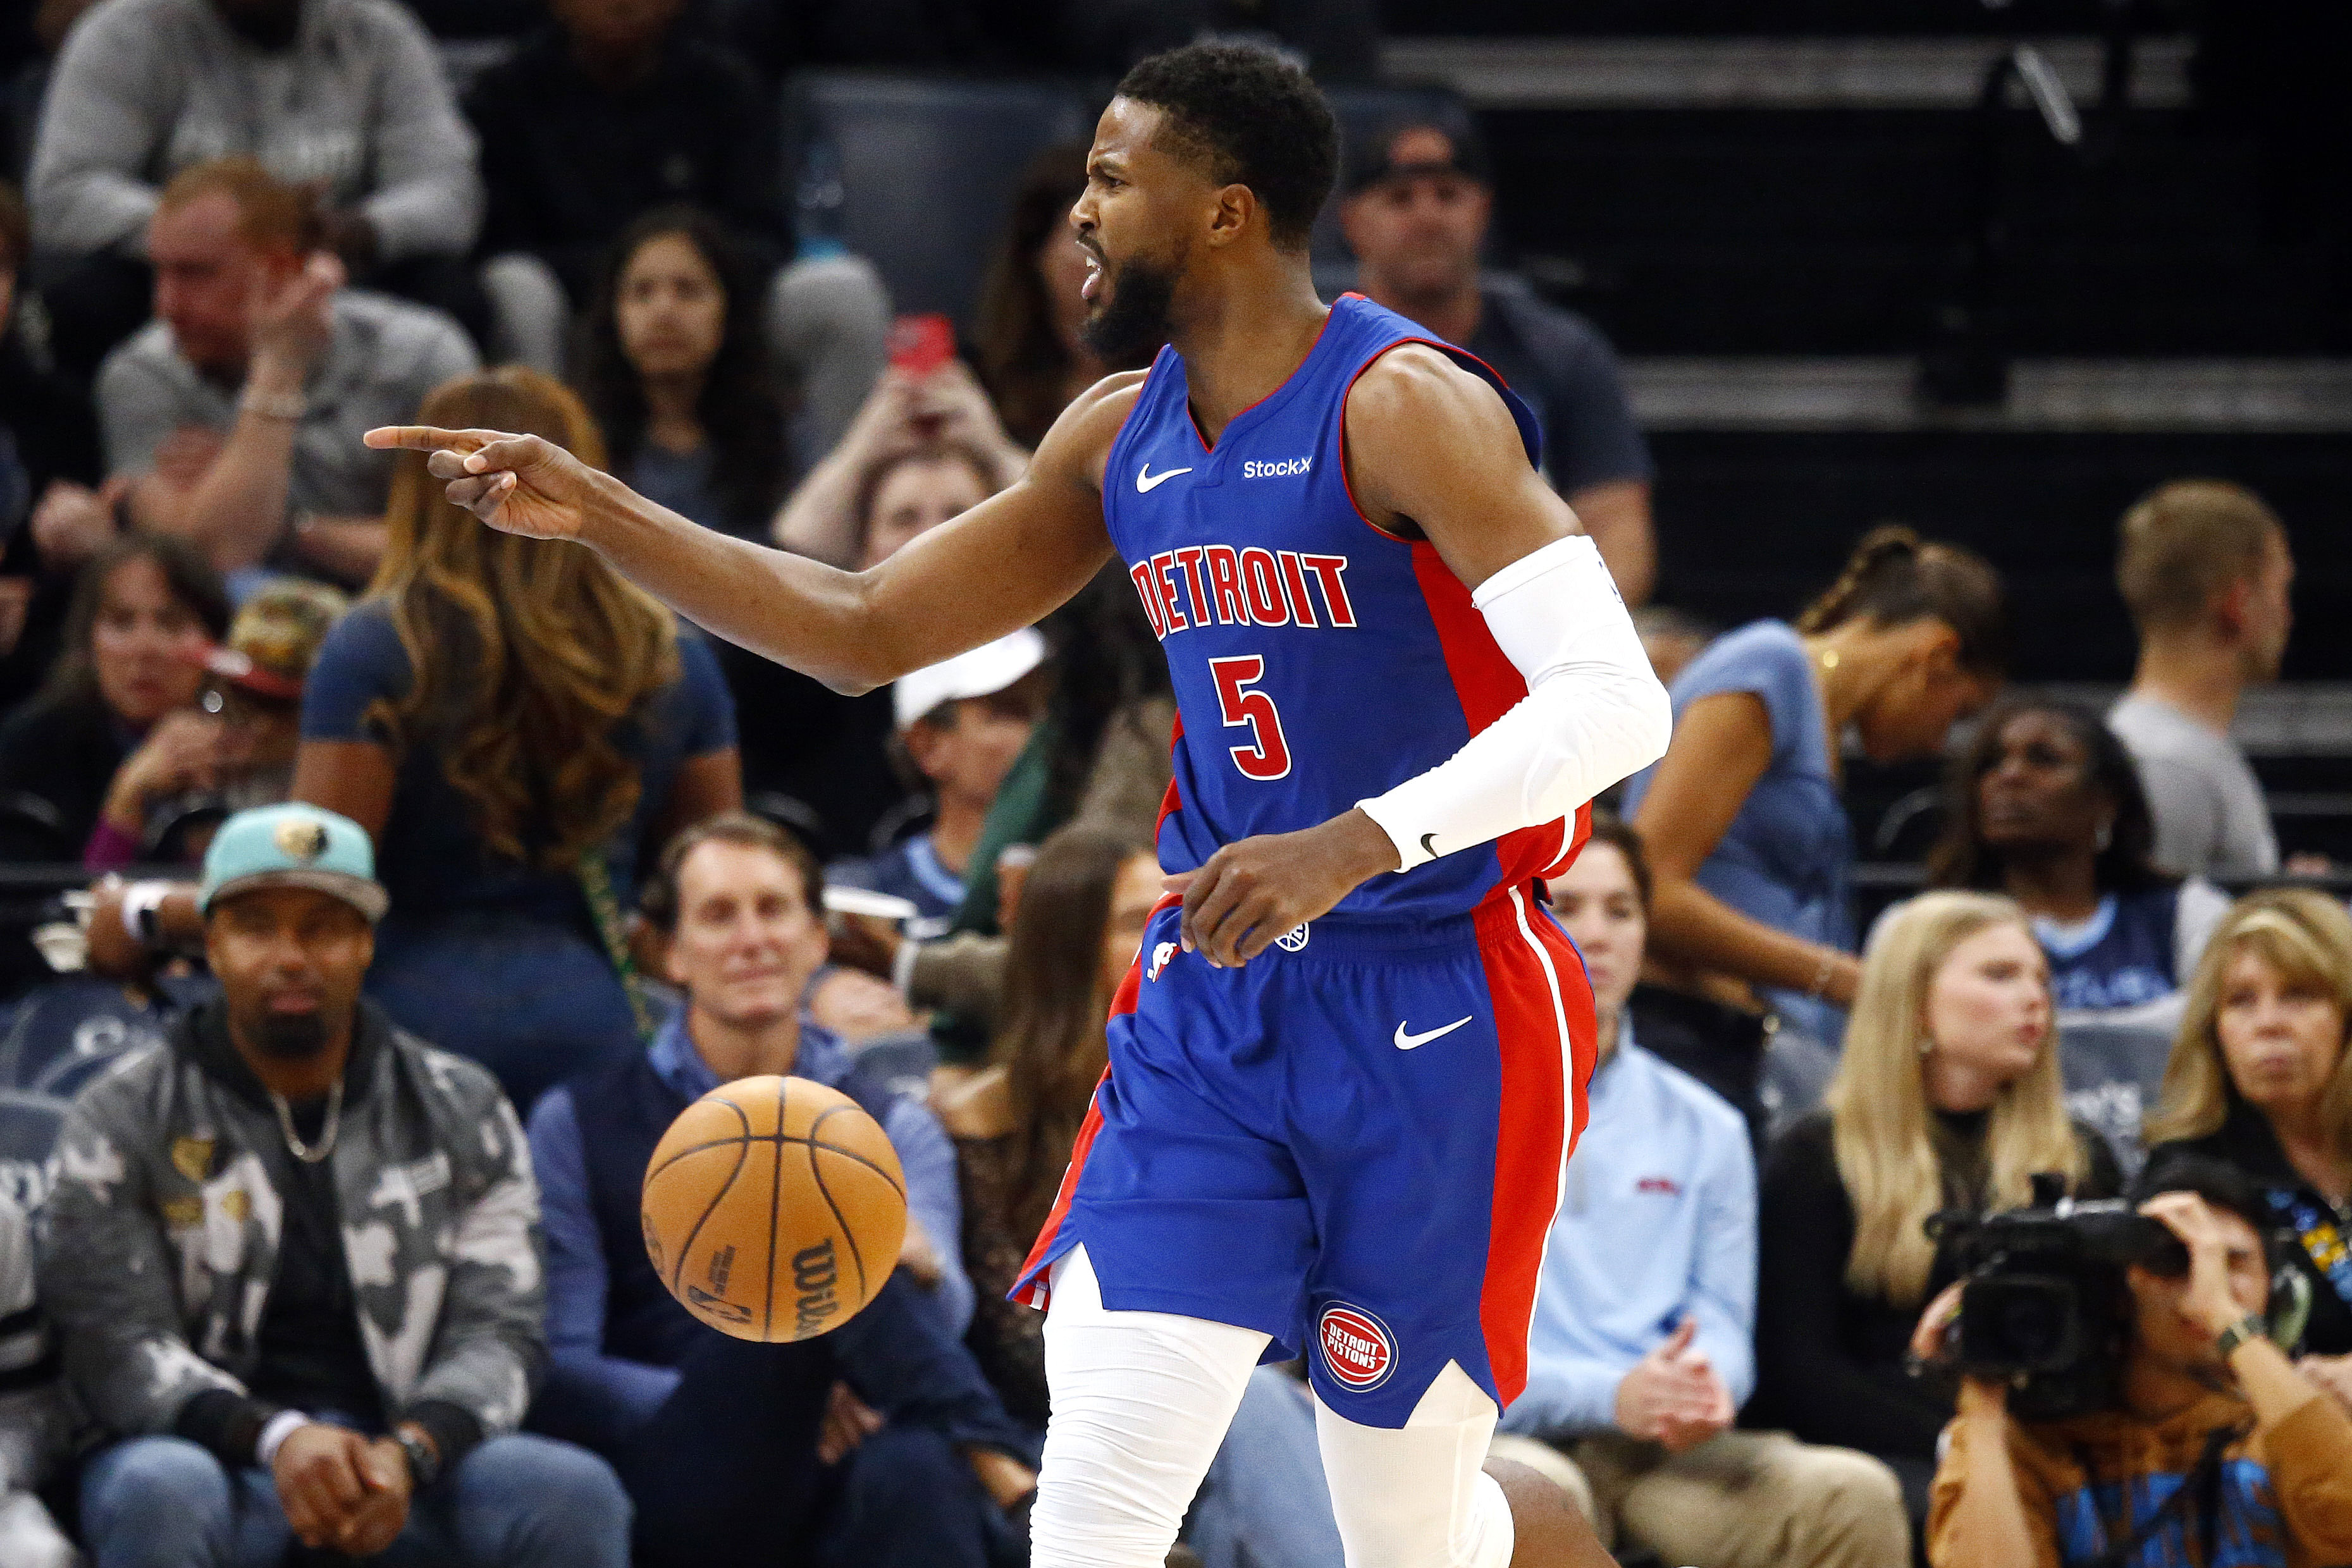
x: 773, y: 1208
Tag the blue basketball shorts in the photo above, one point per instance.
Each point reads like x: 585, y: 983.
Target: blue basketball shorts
x: 1353, y: 1143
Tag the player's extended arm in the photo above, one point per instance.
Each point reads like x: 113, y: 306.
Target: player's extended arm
x: 999, y: 567
x: 1433, y: 450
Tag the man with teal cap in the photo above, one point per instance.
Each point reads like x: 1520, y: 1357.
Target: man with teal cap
x: 293, y: 1260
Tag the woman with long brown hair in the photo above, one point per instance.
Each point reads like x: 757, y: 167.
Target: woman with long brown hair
x: 143, y: 612
x: 1744, y: 815
x: 516, y: 725
x: 1025, y: 342
x: 1081, y: 918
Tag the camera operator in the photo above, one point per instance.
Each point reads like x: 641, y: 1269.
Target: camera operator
x: 2215, y: 1436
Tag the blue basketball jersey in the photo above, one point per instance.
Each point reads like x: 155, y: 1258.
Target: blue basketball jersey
x: 1317, y: 659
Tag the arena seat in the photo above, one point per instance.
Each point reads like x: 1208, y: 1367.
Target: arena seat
x: 28, y: 1135
x: 68, y: 1030
x: 927, y: 168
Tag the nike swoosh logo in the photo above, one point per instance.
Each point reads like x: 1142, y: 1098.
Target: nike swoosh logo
x: 1426, y: 847
x: 1146, y: 481
x: 1413, y: 1041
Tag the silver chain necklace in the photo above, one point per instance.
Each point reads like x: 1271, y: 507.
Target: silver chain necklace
x: 312, y: 1154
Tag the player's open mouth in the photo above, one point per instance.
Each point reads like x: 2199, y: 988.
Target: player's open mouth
x: 1093, y: 285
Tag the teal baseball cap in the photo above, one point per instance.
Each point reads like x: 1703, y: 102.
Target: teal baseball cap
x: 294, y: 845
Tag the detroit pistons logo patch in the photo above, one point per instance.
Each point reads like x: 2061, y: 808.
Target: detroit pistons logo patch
x: 1359, y: 1352
x: 1292, y: 940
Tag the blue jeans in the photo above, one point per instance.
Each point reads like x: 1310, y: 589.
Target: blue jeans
x: 516, y: 1501
x: 534, y: 1002
x: 1264, y: 1501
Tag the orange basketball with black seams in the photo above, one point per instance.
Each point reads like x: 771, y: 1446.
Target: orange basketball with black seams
x: 775, y: 1208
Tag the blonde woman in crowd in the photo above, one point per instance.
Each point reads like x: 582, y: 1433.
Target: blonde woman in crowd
x: 1948, y: 1096
x: 2260, y: 1078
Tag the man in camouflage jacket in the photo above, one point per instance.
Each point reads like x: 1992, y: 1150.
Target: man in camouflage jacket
x: 306, y: 1292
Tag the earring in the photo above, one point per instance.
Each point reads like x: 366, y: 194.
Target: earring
x: 1927, y: 1046
x: 2104, y: 837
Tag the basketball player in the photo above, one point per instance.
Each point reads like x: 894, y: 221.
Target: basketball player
x: 1349, y: 1065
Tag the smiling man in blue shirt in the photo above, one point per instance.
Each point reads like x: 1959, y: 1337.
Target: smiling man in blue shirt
x: 1642, y: 1346
x: 717, y: 1438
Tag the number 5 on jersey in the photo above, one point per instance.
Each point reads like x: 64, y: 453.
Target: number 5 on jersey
x: 1267, y: 757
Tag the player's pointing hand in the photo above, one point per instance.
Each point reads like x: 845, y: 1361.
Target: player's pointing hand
x: 521, y: 483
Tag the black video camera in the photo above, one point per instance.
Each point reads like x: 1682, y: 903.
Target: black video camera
x: 2043, y: 1306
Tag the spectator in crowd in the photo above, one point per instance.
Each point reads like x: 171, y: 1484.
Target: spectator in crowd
x: 1100, y: 754
x: 34, y: 1418
x: 1742, y: 816
x: 2204, y: 567
x: 1419, y: 195
x: 51, y: 520
x: 235, y: 749
x: 143, y: 612
x: 926, y: 446
x: 923, y: 449
x: 1947, y: 1097
x: 518, y: 728
x: 2045, y: 806
x: 675, y: 371
x: 616, y: 109
x: 2260, y: 1078
x: 1026, y: 344
x: 345, y: 97
x: 961, y: 722
x: 719, y: 1440
x: 2216, y: 1440
x: 1642, y: 1348
x: 237, y: 413
x: 293, y: 1260
x: 1081, y: 917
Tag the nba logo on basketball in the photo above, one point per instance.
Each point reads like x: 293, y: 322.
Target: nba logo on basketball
x: 1357, y: 1350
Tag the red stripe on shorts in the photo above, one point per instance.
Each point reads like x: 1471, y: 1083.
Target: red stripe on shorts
x: 1545, y: 1029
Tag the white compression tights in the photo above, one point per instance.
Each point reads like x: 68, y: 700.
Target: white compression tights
x: 1142, y: 1399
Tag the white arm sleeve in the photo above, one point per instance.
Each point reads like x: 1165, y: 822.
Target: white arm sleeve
x: 1594, y: 712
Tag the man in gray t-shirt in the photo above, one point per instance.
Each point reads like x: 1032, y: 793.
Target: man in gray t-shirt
x: 2205, y: 568
x: 236, y: 415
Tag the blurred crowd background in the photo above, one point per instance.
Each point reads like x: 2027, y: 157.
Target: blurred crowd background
x: 1961, y: 397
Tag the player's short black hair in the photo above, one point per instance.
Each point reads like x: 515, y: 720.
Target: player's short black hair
x: 1258, y: 121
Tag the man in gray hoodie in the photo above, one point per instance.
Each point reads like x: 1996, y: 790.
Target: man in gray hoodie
x: 347, y: 95
x: 294, y: 1266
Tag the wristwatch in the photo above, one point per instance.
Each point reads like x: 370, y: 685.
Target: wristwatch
x: 424, y: 1458
x: 2251, y: 1326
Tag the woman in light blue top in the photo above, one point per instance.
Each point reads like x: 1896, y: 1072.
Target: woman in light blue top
x: 1743, y: 815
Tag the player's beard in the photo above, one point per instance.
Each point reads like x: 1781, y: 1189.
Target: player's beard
x: 1131, y: 327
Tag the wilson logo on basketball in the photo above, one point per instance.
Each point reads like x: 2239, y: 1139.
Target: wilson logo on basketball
x: 1357, y: 1348
x: 814, y: 1275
